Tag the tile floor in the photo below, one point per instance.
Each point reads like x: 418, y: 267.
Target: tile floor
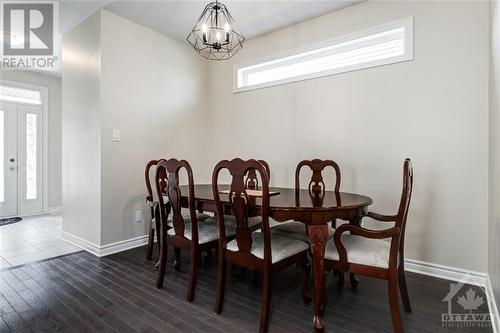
x: 33, y: 239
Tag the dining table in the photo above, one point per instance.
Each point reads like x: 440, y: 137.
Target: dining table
x: 314, y: 210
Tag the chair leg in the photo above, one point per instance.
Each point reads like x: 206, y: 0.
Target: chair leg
x: 403, y: 290
x: 304, y: 282
x: 266, y: 301
x: 162, y: 264
x: 151, y: 239
x: 340, y: 282
x: 193, y: 274
x: 177, y: 260
x: 221, y: 284
x: 157, y: 231
x: 354, y: 280
x: 394, y: 302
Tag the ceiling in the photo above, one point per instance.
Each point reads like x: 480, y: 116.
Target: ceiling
x: 177, y: 18
x: 73, y: 12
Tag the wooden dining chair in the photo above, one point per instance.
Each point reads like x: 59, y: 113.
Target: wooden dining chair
x: 251, y: 179
x: 187, y: 232
x: 365, y: 252
x: 251, y: 183
x: 316, y: 188
x: 258, y: 251
x: 152, y: 202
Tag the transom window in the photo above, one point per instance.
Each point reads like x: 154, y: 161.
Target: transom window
x: 381, y: 45
x: 20, y: 95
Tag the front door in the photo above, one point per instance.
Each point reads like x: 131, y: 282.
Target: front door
x: 8, y: 159
x: 20, y: 159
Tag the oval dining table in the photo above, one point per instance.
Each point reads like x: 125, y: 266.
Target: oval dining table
x: 315, y: 211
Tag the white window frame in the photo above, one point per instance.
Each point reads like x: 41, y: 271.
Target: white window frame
x: 44, y: 94
x: 407, y: 23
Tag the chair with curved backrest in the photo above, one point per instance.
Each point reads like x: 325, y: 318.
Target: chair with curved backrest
x: 186, y: 233
x: 258, y: 251
x: 365, y: 252
x: 152, y: 201
x: 251, y: 183
x: 316, y: 189
x: 251, y: 179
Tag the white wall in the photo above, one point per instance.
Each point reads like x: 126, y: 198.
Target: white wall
x: 153, y: 90
x: 118, y: 74
x: 433, y: 109
x: 166, y: 102
x: 53, y: 84
x: 494, y: 227
x: 81, y: 98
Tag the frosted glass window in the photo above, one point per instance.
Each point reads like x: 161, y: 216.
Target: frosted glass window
x: 20, y: 95
x: 2, y: 156
x: 382, y: 45
x: 31, y: 156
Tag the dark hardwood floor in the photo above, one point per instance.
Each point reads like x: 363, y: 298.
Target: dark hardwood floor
x: 83, y: 293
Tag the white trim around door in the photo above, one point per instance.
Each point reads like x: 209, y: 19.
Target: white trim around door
x: 40, y: 112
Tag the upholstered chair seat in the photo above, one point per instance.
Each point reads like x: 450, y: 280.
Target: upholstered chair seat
x: 361, y: 250
x: 199, y: 216
x: 208, y: 230
x: 281, y: 247
x: 295, y: 230
x: 230, y: 220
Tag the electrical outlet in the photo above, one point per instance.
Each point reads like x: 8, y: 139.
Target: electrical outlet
x: 138, y: 216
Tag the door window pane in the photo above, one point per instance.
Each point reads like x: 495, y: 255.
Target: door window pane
x: 2, y: 156
x: 21, y: 95
x: 31, y: 156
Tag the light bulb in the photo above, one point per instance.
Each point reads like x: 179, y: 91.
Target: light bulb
x: 204, y: 28
x: 227, y: 27
x: 217, y: 36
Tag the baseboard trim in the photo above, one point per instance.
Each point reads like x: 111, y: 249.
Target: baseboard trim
x: 105, y: 250
x: 445, y: 272
x: 54, y: 210
x: 50, y: 210
x: 80, y: 242
x: 492, y: 305
x: 457, y: 274
x: 128, y: 244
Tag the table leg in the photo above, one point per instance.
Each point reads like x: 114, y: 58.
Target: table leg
x: 318, y: 235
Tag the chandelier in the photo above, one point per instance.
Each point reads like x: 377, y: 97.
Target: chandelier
x: 215, y: 35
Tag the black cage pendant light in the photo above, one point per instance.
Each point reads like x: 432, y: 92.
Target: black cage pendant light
x: 215, y: 35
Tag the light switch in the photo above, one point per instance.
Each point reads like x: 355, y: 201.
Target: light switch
x: 138, y: 216
x: 116, y: 135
